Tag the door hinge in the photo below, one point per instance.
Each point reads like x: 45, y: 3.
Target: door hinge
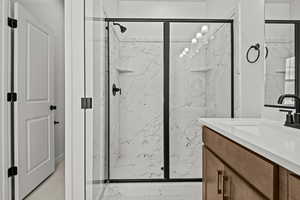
x: 13, y: 171
x: 12, y: 97
x: 13, y: 23
x: 86, y: 103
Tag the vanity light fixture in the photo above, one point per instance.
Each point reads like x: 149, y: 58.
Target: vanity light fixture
x: 204, y: 29
x: 212, y: 37
x: 194, y: 41
x: 199, y: 35
x: 186, y: 50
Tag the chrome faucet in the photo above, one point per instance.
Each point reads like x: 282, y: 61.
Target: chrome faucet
x: 292, y: 120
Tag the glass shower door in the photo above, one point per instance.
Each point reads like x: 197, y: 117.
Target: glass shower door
x: 200, y: 86
x: 95, y: 88
x: 135, y: 100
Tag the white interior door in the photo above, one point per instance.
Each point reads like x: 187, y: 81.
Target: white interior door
x: 34, y: 82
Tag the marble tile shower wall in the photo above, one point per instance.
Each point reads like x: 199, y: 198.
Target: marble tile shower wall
x: 218, y: 77
x: 114, y: 100
x: 200, y: 87
x: 197, y: 84
x: 188, y: 103
x: 141, y: 111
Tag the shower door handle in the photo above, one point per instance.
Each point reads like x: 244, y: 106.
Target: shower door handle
x: 115, y: 90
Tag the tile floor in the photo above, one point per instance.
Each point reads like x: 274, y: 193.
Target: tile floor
x: 53, y: 188
x: 154, y: 191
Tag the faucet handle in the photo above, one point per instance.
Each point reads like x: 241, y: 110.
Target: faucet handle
x: 297, y: 118
x: 289, y: 116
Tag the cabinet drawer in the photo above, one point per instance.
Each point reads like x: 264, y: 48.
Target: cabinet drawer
x: 260, y: 173
x: 294, y: 187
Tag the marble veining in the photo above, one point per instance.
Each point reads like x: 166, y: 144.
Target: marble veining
x: 138, y: 146
x: 141, y: 111
x: 154, y: 191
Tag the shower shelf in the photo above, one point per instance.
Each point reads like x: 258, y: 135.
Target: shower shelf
x: 124, y: 70
x: 201, y: 69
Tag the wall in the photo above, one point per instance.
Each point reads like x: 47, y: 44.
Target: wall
x: 248, y: 17
x: 114, y: 100
x: 140, y: 110
x: 162, y: 9
x: 51, y: 13
x: 111, y: 8
x: 221, y: 9
x: 200, y: 87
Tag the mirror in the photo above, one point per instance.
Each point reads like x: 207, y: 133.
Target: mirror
x: 281, y: 39
x: 280, y: 62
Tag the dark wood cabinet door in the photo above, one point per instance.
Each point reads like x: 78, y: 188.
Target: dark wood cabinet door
x: 236, y: 188
x: 213, y: 170
x: 294, y: 187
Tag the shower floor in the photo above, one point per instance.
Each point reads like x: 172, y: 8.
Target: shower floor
x: 153, y: 191
x: 136, y: 169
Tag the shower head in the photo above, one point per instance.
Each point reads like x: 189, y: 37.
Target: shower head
x: 122, y: 28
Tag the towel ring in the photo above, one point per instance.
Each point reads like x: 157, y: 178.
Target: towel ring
x: 267, y: 52
x: 253, y: 47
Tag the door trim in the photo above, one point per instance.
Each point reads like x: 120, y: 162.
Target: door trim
x: 74, y: 91
x: 5, y: 182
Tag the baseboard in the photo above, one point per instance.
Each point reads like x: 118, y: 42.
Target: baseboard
x: 59, y: 158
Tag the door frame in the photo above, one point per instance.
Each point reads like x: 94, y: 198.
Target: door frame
x: 166, y: 24
x: 5, y: 182
x: 74, y: 91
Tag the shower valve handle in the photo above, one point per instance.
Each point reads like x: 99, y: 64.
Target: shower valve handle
x: 115, y: 90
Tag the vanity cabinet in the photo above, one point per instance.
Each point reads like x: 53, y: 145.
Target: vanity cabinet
x: 222, y: 183
x: 233, y: 172
x: 235, y: 188
x: 289, y: 185
x: 244, y: 175
x: 213, y: 170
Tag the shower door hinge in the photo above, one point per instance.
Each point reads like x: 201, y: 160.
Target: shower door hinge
x: 12, y: 97
x: 86, y: 103
x: 13, y: 171
x: 12, y: 23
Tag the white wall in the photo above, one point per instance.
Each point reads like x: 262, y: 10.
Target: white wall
x: 162, y: 9
x: 277, y: 10
x: 111, y: 8
x: 221, y: 9
x: 295, y: 7
x: 51, y: 13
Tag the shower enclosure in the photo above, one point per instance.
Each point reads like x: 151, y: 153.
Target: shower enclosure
x: 163, y: 75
